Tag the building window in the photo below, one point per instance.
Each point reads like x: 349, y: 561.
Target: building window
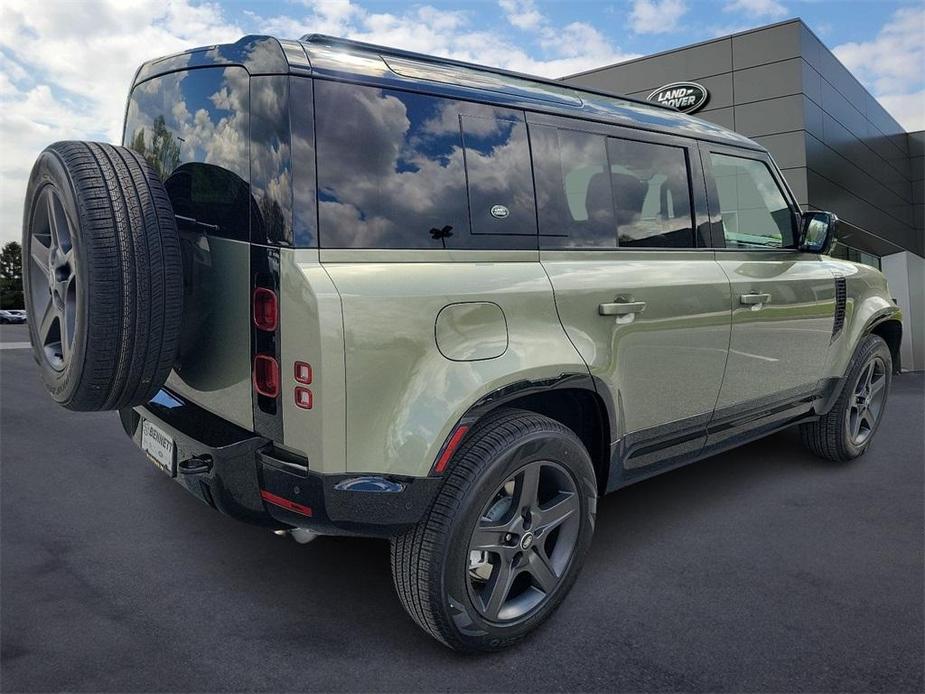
x: 844, y: 252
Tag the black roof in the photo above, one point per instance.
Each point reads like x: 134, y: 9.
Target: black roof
x: 343, y: 59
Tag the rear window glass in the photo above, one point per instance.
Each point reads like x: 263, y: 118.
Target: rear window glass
x: 603, y: 192
x: 192, y: 126
x: 651, y: 194
x: 573, y: 191
x: 392, y: 172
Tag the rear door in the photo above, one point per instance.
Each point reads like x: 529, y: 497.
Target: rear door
x: 637, y: 288
x: 193, y: 127
x: 783, y: 300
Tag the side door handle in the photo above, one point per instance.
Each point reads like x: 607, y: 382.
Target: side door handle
x: 754, y: 299
x: 621, y: 308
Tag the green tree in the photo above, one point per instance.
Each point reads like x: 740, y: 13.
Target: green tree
x: 164, y: 152
x: 11, y: 276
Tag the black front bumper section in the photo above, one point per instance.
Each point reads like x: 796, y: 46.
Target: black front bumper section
x: 249, y: 478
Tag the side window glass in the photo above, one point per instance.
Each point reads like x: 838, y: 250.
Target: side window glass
x: 573, y: 192
x: 498, y: 172
x: 192, y: 127
x: 403, y: 170
x: 391, y: 169
x: 651, y: 194
x: 754, y: 211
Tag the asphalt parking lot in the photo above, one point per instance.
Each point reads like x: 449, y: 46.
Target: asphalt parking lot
x: 763, y: 569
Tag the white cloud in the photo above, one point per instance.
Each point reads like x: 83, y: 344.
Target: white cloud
x: 891, y: 65
x: 522, y: 13
x: 66, y: 71
x: 656, y: 16
x: 560, y: 50
x: 65, y: 67
x: 908, y: 109
x: 757, y: 8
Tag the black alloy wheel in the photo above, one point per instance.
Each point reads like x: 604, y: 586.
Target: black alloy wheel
x: 523, y: 542
x: 847, y: 429
x: 504, y: 540
x: 867, y: 401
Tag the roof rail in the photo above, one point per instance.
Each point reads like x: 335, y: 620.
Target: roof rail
x: 325, y: 39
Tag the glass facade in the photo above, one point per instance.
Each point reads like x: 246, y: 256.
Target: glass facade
x: 848, y: 253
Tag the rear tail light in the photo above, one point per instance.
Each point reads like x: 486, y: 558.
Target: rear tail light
x: 303, y: 372
x: 303, y: 398
x: 266, y: 309
x: 266, y: 375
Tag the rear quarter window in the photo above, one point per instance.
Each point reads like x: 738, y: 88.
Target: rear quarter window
x: 404, y: 170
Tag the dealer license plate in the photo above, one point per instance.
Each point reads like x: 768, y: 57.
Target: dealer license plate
x: 158, y: 446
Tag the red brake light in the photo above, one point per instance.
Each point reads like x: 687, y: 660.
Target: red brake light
x: 450, y: 448
x: 303, y: 398
x: 266, y: 310
x: 303, y: 372
x: 266, y: 375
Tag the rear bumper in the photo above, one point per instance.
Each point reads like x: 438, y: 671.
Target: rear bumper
x: 246, y: 477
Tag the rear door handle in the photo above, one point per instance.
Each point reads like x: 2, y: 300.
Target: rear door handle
x: 621, y: 308
x: 754, y: 299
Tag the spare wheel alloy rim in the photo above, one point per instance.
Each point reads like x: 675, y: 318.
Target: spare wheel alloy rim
x: 53, y: 278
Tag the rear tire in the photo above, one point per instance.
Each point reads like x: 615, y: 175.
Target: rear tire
x: 102, y: 275
x: 488, y: 599
x: 846, y: 431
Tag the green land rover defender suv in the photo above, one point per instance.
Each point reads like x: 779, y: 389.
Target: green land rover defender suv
x: 338, y: 288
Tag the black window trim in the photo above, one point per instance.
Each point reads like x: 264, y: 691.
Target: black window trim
x: 719, y: 238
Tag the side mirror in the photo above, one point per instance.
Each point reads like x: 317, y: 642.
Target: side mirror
x: 817, y: 232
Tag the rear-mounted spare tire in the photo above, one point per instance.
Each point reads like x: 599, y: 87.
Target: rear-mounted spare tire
x: 102, y: 275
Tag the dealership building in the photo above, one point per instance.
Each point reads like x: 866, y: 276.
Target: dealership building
x: 837, y: 146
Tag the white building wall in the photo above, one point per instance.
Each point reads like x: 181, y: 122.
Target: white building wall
x: 906, y: 274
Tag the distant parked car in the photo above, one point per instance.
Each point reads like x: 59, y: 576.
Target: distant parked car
x: 12, y: 316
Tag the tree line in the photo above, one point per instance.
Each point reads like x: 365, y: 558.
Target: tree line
x: 11, y: 276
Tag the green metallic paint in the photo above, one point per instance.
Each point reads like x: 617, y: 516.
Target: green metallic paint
x: 666, y: 364
x: 402, y: 395
x: 868, y: 303
x: 313, y: 332
x: 782, y: 344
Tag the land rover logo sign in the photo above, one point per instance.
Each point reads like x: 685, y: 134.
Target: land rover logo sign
x: 500, y: 212
x: 686, y: 97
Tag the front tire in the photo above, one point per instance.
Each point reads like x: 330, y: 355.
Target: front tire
x: 505, y: 538
x: 846, y: 431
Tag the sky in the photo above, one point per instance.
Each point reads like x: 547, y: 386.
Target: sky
x: 66, y: 65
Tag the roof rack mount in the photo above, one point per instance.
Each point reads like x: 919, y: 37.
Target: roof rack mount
x: 325, y: 39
